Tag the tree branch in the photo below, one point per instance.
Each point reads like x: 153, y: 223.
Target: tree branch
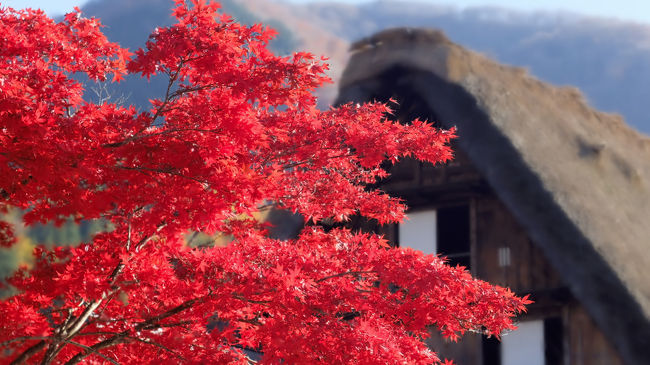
x: 168, y: 96
x: 76, y: 325
x: 19, y: 339
x: 123, y: 336
x: 161, y: 171
x: 93, y: 352
x: 150, y: 342
x: 344, y: 274
x: 29, y: 352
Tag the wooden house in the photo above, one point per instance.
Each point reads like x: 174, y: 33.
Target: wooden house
x: 545, y: 196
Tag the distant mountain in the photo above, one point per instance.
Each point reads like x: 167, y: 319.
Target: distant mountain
x: 130, y: 22
x: 609, y: 60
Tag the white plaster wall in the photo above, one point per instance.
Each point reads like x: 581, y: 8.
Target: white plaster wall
x: 419, y: 231
x: 525, y: 345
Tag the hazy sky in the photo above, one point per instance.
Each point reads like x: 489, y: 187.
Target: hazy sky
x: 638, y: 10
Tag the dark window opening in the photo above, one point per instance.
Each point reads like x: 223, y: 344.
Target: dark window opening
x: 491, y: 351
x: 553, y: 341
x: 453, y: 234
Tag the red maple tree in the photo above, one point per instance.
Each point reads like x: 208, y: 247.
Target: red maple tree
x: 236, y: 128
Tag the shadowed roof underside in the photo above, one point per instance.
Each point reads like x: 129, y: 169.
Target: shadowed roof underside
x: 578, y: 180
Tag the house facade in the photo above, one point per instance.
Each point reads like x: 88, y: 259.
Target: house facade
x: 455, y: 213
x: 533, y: 199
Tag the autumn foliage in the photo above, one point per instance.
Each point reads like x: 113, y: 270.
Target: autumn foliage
x: 236, y: 129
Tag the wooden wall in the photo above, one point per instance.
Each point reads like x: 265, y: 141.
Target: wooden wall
x: 586, y: 343
x: 526, y: 269
x: 494, y: 228
x: 467, y: 351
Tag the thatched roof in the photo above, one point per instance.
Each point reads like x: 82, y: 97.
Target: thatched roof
x: 578, y: 180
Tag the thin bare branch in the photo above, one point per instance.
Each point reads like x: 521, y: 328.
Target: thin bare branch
x: 29, y: 352
x: 162, y: 171
x: 173, y: 76
x: 87, y: 348
x: 22, y: 339
x: 151, y: 342
x: 76, y: 325
x: 241, y: 297
x: 344, y: 274
x: 123, y: 336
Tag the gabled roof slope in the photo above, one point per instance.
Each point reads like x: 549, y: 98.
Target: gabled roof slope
x: 578, y: 180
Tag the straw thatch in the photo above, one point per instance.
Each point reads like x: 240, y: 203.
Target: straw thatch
x: 578, y: 180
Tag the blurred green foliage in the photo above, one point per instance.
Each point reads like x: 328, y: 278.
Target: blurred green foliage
x: 20, y: 254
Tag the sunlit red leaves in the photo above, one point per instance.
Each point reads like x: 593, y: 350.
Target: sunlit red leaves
x: 237, y: 128
x: 292, y: 288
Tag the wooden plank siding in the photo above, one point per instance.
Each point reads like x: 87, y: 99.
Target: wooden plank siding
x: 528, y: 270
x: 586, y: 343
